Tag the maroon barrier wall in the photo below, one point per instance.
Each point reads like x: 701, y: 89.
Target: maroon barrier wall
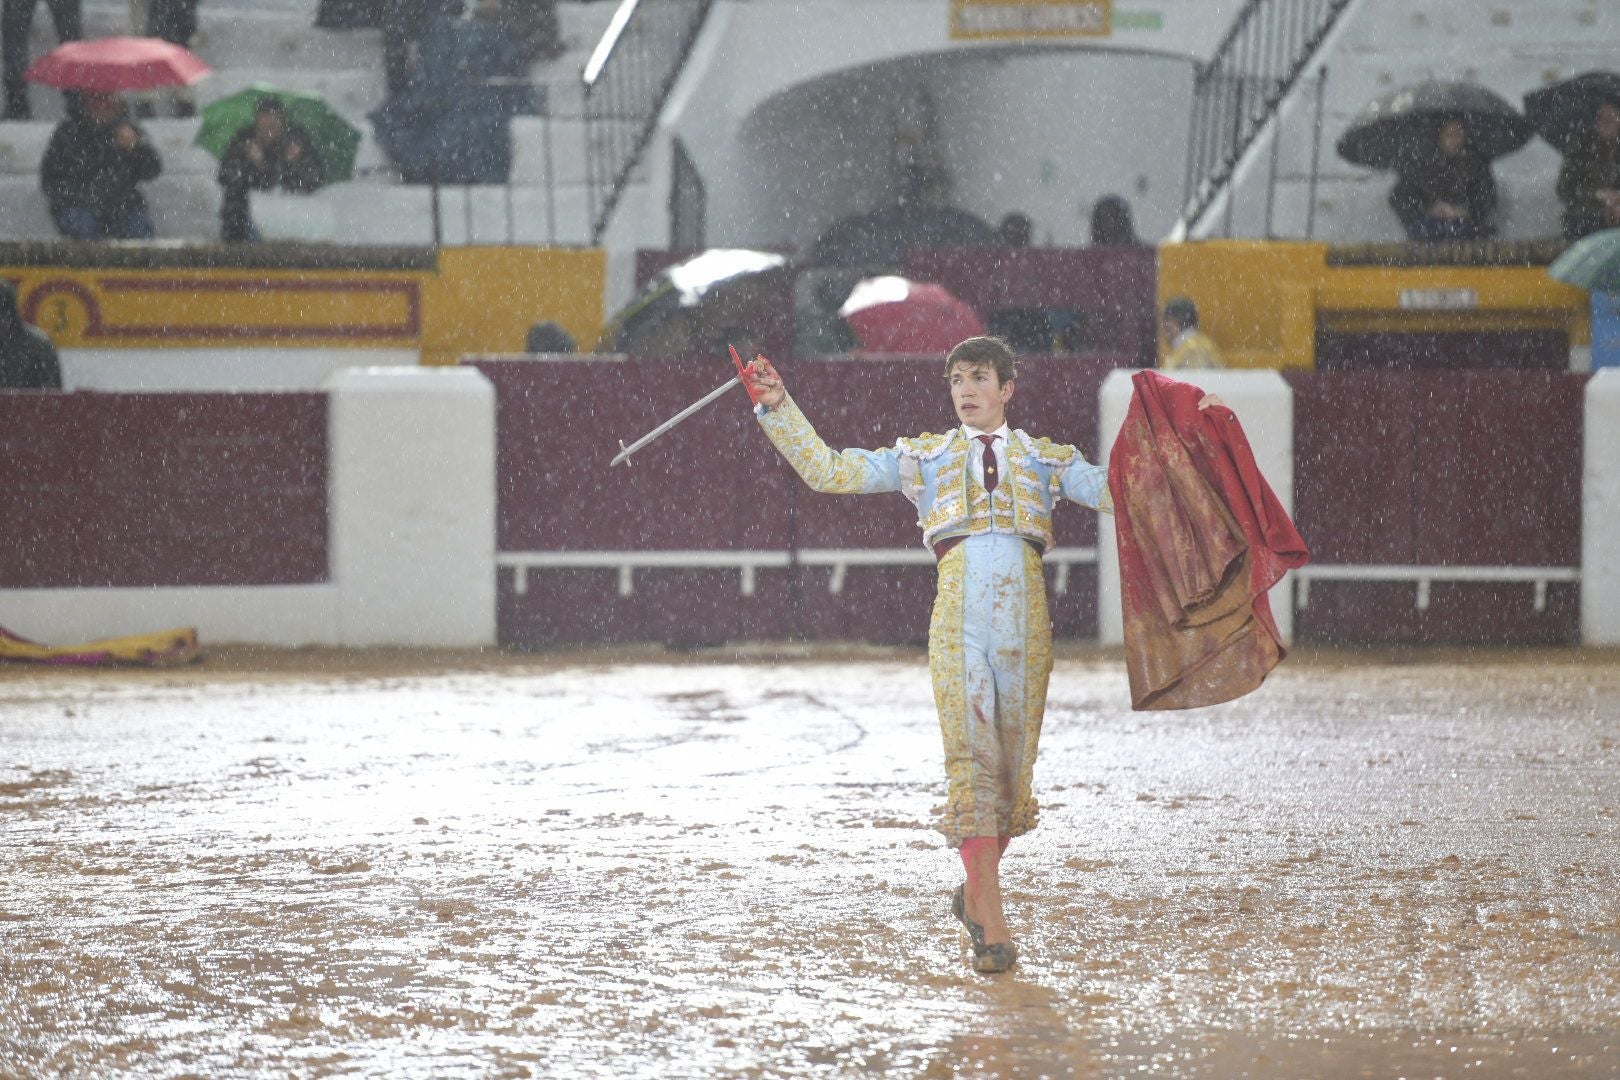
x: 716, y: 483
x: 137, y: 490
x: 1460, y: 469
x: 1116, y: 288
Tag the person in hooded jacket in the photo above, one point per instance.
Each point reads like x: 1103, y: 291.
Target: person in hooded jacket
x: 1589, y: 181
x: 27, y: 357
x: 92, y: 166
x: 1446, y: 190
x: 270, y: 153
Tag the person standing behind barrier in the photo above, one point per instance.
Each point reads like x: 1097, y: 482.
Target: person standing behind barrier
x: 27, y: 358
x: 265, y: 155
x: 1589, y: 181
x: 1112, y: 224
x: 1189, y: 349
x: 16, y: 25
x: 94, y: 161
x: 1446, y: 190
x: 451, y: 125
x: 174, y: 21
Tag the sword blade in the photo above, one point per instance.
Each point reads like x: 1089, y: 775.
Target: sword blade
x: 626, y: 451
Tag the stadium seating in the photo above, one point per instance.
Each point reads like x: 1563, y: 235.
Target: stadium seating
x: 275, y: 42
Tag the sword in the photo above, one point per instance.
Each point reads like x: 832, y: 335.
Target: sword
x: 625, y: 451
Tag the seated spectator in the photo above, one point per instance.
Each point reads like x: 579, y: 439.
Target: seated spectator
x: 27, y: 357
x: 267, y: 154
x: 1446, y: 190
x: 450, y: 126
x: 1589, y: 182
x: 1112, y: 224
x: 1189, y: 349
x: 1016, y: 230
x: 548, y: 337
x: 16, y: 25
x: 94, y: 161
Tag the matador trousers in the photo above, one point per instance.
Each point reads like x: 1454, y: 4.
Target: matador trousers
x: 990, y: 655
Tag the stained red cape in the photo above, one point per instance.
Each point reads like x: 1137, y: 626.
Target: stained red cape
x: 1201, y: 538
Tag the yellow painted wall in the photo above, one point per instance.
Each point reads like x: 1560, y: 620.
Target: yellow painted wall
x: 484, y: 299
x: 478, y: 300
x: 1262, y: 301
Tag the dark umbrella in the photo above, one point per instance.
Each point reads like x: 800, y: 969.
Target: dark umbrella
x: 1387, y: 132
x: 1562, y: 113
x: 688, y: 306
x: 882, y: 237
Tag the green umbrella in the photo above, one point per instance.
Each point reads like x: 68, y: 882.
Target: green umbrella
x: 1592, y: 264
x: 334, y: 139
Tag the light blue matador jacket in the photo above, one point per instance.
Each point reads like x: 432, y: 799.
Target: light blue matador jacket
x: 932, y: 471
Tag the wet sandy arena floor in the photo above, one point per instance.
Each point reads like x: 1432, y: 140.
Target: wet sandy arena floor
x: 655, y: 866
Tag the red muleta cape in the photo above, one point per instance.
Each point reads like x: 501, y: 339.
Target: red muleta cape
x: 1201, y: 538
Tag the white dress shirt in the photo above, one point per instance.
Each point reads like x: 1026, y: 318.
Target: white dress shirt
x: 976, y: 451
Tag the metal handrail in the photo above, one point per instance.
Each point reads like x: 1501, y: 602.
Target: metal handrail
x: 1259, y: 60
x: 627, y: 80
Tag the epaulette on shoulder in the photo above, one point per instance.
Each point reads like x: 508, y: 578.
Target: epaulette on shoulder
x: 924, y: 446
x: 1046, y: 450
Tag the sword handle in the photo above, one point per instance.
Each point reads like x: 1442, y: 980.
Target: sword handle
x: 742, y: 374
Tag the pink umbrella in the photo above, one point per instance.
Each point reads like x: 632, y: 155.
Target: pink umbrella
x: 894, y: 315
x: 115, y: 64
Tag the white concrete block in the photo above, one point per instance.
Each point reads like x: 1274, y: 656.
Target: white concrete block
x: 412, y: 509
x: 1264, y: 402
x: 1600, y: 512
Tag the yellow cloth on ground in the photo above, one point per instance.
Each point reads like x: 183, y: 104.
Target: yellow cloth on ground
x: 161, y: 649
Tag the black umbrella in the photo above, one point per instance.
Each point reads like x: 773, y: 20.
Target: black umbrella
x: 1563, y: 112
x: 882, y: 237
x: 1390, y: 129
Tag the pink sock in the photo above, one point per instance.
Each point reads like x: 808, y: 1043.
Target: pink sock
x: 971, y: 846
x: 1003, y: 841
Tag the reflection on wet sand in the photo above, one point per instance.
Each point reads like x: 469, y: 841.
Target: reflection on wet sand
x: 525, y: 866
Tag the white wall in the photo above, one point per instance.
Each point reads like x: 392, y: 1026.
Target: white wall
x: 1264, y: 403
x: 1044, y: 132
x: 754, y: 50
x: 411, y: 544
x: 216, y: 370
x: 1600, y: 511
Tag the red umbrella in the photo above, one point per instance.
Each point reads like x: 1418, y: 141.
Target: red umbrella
x: 894, y: 315
x: 112, y: 65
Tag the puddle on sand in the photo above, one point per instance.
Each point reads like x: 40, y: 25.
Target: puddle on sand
x: 664, y: 870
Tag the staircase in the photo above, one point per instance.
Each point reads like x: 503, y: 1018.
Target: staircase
x: 1239, y: 91
x: 274, y: 41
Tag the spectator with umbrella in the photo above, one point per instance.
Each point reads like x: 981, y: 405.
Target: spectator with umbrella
x: 97, y: 155
x: 1581, y: 118
x: 267, y: 154
x: 93, y: 165
x: 1440, y: 138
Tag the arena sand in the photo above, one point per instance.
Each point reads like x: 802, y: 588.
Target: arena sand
x: 640, y: 864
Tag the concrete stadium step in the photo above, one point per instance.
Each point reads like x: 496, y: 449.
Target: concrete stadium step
x: 24, y: 214
x: 370, y: 213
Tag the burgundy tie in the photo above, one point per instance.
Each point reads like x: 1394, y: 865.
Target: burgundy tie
x: 990, y: 477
